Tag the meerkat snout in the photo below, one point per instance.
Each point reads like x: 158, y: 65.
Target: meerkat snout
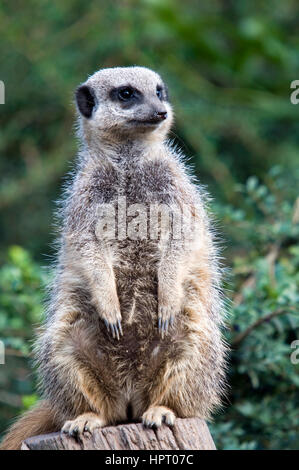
x: 124, y: 101
x: 161, y: 114
x: 157, y: 116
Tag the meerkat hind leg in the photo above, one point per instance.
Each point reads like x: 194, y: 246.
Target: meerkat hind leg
x: 154, y: 416
x: 87, y: 422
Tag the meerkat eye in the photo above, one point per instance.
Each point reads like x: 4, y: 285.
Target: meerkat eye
x: 125, y: 94
x: 159, y: 92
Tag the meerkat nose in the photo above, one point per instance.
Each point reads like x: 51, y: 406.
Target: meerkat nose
x: 161, y: 114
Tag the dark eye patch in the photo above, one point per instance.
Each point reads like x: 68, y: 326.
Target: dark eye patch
x: 126, y: 95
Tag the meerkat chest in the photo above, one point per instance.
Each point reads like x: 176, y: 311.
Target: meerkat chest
x: 147, y: 183
x: 135, y: 200
x: 139, y: 182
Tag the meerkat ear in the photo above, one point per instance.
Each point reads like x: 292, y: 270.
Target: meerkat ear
x: 85, y: 100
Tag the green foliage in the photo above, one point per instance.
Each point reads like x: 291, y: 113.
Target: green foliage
x: 29, y: 400
x: 22, y: 284
x: 263, y: 408
x: 229, y: 66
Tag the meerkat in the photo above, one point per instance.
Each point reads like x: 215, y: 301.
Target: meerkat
x: 133, y: 325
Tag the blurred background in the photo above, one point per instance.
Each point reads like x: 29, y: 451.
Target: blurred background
x: 229, y: 66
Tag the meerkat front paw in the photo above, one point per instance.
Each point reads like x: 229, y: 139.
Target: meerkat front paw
x: 169, y: 305
x: 87, y: 422
x: 113, y: 324
x: 156, y: 415
x: 165, y: 318
x: 110, y: 313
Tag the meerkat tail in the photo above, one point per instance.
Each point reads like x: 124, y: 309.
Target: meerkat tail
x: 39, y: 420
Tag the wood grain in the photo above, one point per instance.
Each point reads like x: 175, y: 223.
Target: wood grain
x: 186, y: 434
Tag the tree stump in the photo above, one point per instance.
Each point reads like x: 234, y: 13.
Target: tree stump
x: 186, y: 434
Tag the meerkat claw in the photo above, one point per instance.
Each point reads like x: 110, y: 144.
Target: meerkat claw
x: 120, y: 327
x: 75, y: 432
x: 114, y: 328
x: 166, y: 319
x: 163, y: 326
x: 160, y: 326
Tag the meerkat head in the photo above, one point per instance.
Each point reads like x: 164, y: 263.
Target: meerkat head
x: 124, y: 102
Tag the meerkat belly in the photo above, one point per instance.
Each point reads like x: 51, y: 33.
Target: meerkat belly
x: 136, y: 279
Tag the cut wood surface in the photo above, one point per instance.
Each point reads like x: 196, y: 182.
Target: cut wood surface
x: 186, y: 434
